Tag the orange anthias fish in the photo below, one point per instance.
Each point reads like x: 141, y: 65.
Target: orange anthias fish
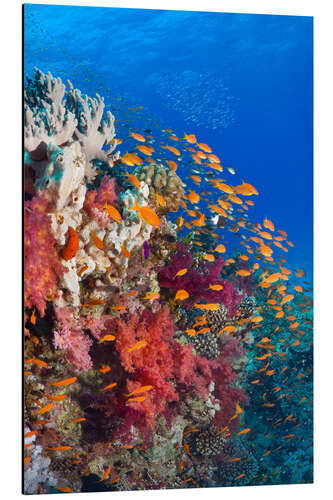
x: 286, y: 299
x: 139, y: 345
x: 269, y: 225
x: 187, y: 449
x: 147, y: 150
x: 245, y: 189
x: 193, y: 197
x: 134, y: 180
x: 105, y: 475
x: 72, y: 245
x: 61, y: 448
x: 173, y: 150
x: 98, y: 242
x: 152, y: 296
x: 110, y: 386
x: 138, y: 399
x: 33, y: 317
x: 190, y: 138
x: 84, y: 268
x: 244, y: 431
x: 181, y: 272
x: 93, y: 302
x: 104, y: 369
x: 207, y: 307
x: 65, y: 382
x: 204, y: 147
x: 147, y: 214
x: 131, y: 159
x: 139, y: 390
x: 173, y: 165
x: 37, y: 362
x: 138, y: 137
x: 223, y: 187
x: 210, y: 257
x: 256, y: 319
x: 243, y: 272
x: 160, y: 199
x: 220, y: 248
x: 125, y: 252
x: 228, y: 328
x: 59, y: 397
x: 191, y: 332
x: 29, y: 434
x: 238, y: 408
x: 113, y: 212
x: 108, y: 337
x: 45, y: 409
x: 216, y: 287
x: 181, y: 295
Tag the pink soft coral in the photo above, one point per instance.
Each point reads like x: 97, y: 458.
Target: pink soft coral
x: 95, y: 201
x: 197, y: 280
x: 77, y: 346
x: 42, y: 265
x: 70, y: 337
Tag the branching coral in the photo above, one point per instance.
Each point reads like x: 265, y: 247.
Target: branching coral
x: 91, y: 131
x: 46, y: 118
x: 54, y: 116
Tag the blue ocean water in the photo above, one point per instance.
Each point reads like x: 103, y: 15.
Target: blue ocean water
x: 243, y: 84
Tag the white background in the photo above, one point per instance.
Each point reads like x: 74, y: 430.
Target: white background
x: 10, y: 244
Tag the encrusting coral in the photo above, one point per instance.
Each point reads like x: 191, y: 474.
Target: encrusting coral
x: 162, y: 181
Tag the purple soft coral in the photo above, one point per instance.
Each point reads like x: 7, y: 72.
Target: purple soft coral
x: 197, y: 280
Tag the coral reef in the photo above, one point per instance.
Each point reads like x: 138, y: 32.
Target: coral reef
x: 216, y: 320
x: 207, y: 345
x: 162, y: 181
x: 208, y: 443
x: 247, y: 307
x: 139, y: 337
x: 198, y: 278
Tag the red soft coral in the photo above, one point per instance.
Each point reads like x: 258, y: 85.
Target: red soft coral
x: 150, y: 365
x: 42, y: 265
x: 96, y: 199
x: 169, y: 367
